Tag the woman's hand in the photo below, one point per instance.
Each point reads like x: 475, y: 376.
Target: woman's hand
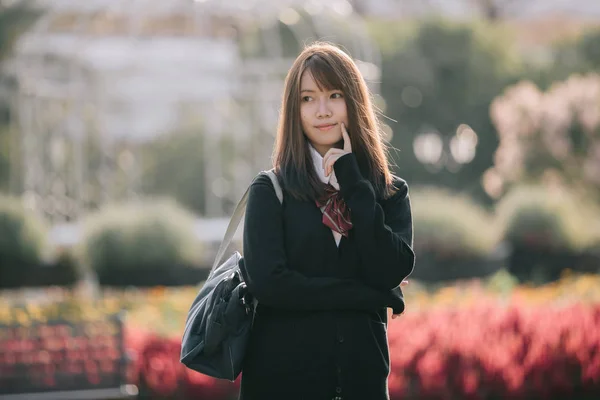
x: 333, y: 154
x: 403, y: 283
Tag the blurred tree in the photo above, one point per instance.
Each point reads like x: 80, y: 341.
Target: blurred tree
x: 173, y: 166
x: 437, y: 87
x: 552, y: 136
x: 358, y: 6
x: 494, y: 10
x: 590, y: 49
x: 15, y: 18
x: 4, y: 158
x: 580, y: 54
x: 489, y: 10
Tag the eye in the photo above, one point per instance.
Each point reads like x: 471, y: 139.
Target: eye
x: 337, y: 96
x: 306, y: 98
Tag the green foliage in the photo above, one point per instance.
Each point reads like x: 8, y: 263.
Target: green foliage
x: 589, y: 46
x: 174, y: 166
x: 4, y: 159
x: 443, y: 75
x: 391, y: 36
x: 549, y: 230
x: 502, y: 282
x: 578, y: 55
x: 22, y: 242
x: 14, y: 20
x: 63, y: 271
x: 536, y: 217
x: 454, y: 237
x: 451, y: 226
x: 128, y: 243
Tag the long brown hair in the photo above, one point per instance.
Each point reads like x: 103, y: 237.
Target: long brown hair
x: 332, y: 69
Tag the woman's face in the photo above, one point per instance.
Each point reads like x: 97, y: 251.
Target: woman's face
x: 321, y: 113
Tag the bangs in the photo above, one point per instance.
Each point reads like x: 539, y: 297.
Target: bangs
x: 323, y: 73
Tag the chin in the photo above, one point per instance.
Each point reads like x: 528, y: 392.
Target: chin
x: 328, y: 139
x: 330, y: 142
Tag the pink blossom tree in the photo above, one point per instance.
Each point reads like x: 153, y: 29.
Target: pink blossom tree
x: 552, y: 136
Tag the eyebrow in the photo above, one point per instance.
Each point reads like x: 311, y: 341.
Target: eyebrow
x: 314, y: 91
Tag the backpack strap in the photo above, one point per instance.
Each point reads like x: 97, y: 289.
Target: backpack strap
x: 278, y: 191
x: 239, y: 212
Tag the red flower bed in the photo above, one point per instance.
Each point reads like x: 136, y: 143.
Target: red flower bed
x: 481, y: 352
x: 158, y: 372
x: 488, y: 352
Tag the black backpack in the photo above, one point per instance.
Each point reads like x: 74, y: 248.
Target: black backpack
x: 220, y: 318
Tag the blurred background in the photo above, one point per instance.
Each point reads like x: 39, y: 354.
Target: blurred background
x: 129, y: 130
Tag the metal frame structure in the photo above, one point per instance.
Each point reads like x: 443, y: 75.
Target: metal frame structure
x: 98, y: 78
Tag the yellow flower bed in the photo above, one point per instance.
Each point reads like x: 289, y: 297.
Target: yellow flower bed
x: 163, y: 310
x: 570, y: 289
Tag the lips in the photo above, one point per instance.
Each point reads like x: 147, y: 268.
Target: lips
x: 325, y: 127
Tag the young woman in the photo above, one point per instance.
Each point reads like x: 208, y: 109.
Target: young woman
x: 327, y: 263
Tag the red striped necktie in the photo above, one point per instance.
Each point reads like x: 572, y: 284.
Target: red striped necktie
x: 336, y: 214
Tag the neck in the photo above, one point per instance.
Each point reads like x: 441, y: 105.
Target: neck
x: 323, y: 149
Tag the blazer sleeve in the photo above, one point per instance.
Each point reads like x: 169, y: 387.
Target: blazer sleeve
x: 276, y: 285
x: 384, y: 235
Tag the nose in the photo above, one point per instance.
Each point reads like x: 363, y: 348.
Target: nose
x: 323, y: 111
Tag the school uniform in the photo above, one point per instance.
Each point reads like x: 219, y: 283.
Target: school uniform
x: 320, y: 327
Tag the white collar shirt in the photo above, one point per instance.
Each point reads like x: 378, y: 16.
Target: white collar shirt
x: 331, y: 179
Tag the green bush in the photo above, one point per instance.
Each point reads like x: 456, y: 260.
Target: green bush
x: 451, y: 225
x: 538, y: 218
x: 549, y: 231
x: 22, y: 243
x: 63, y: 270
x: 454, y: 236
x: 141, y: 243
